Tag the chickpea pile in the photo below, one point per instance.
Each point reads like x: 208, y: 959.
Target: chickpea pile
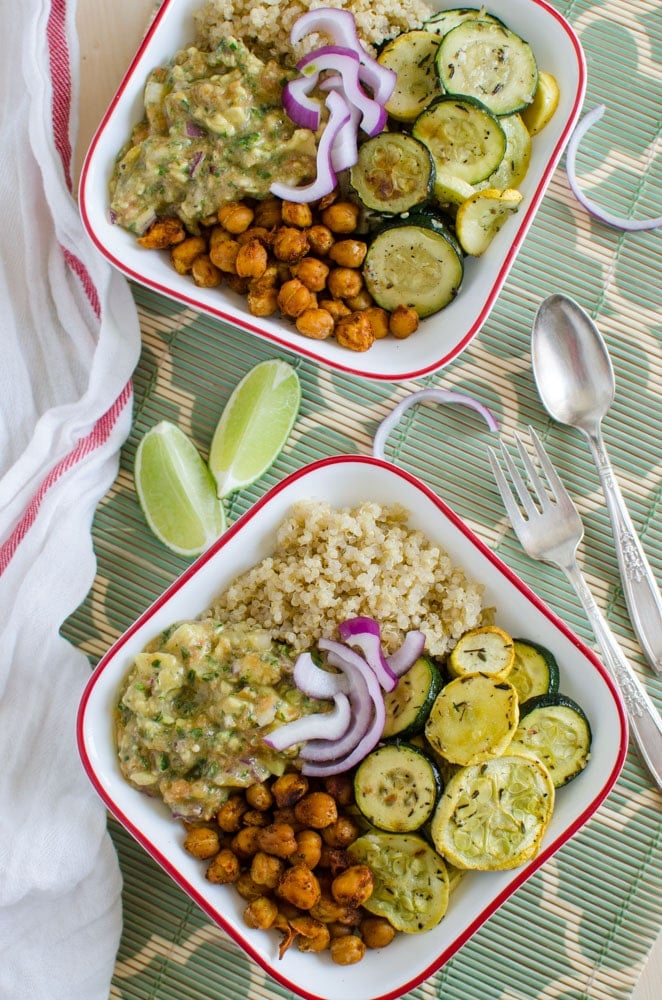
x: 283, y: 845
x: 288, y: 259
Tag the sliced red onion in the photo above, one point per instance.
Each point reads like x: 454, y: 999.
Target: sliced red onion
x: 433, y: 395
x: 328, y: 725
x: 346, y: 63
x: 315, y: 682
x: 345, y: 150
x: 303, y: 109
x: 340, y: 27
x: 366, y: 633
x: 367, y: 705
x: 194, y: 130
x: 326, y: 179
x: 618, y: 222
x: 400, y: 661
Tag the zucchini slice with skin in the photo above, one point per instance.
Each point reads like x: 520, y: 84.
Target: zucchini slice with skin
x: 396, y: 787
x: 488, y: 61
x: 465, y: 138
x: 411, y: 881
x: 473, y: 719
x: 493, y: 816
x: 556, y: 731
x: 487, y: 649
x: 535, y: 670
x: 409, y: 704
x: 393, y: 173
x: 516, y: 159
x: 481, y: 216
x: 445, y: 20
x: 414, y: 262
x: 412, y: 57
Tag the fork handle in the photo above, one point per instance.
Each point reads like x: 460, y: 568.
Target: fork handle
x: 644, y: 719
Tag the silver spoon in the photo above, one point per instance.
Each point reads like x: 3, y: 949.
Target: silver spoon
x: 576, y: 383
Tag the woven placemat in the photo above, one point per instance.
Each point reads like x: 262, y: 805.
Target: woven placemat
x: 584, y: 924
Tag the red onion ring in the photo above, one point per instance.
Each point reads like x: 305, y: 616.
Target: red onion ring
x: 436, y: 396
x: 346, y: 63
x: 325, y: 181
x: 366, y: 633
x: 400, y: 661
x: 617, y: 222
x: 315, y: 682
x: 329, y: 725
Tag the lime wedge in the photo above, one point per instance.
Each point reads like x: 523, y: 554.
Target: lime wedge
x: 176, y: 491
x: 254, y: 425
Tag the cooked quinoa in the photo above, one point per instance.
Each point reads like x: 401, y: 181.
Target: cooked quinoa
x: 265, y: 27
x: 331, y: 564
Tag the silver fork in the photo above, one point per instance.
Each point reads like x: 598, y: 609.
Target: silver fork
x: 550, y: 529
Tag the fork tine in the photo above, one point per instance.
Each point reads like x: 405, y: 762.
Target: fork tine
x: 509, y: 502
x: 558, y: 489
x: 522, y: 490
x: 531, y: 471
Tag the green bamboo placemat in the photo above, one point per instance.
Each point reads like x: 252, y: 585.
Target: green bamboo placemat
x: 583, y: 925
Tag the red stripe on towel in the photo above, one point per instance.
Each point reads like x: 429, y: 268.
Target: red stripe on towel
x: 58, y: 50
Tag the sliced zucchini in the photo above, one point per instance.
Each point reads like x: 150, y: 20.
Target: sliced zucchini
x: 411, y: 882
x: 464, y: 137
x: 394, y: 173
x: 488, y: 61
x: 545, y: 102
x: 396, y: 787
x: 473, y: 719
x: 535, y: 670
x: 515, y: 163
x: 450, y: 191
x: 412, y: 57
x: 409, y: 704
x: 414, y: 262
x: 445, y: 20
x: 556, y: 731
x: 493, y: 816
x: 488, y: 649
x: 481, y: 216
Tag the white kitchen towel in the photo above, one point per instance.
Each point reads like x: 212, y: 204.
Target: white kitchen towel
x: 69, y: 341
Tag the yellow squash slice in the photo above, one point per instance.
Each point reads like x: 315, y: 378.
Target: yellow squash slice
x: 493, y: 816
x: 545, y: 102
x: 473, y: 719
x: 481, y: 216
x: 488, y: 650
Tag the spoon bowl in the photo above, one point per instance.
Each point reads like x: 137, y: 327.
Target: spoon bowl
x: 575, y: 379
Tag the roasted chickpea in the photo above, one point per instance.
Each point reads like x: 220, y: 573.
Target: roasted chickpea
x: 224, y: 868
x: 286, y: 815
x: 336, y: 859
x: 353, y: 886
x: 316, y: 809
x: 341, y: 788
x: 335, y: 307
x: 342, y: 833
x: 320, y: 239
x: 223, y: 253
x: 247, y: 888
x: 259, y: 797
x: 251, y: 260
x: 258, y: 233
x: 183, y: 254
x: 312, y: 936
x: 339, y: 930
x: 266, y: 869
x: 278, y: 839
x: 344, y: 283
x: 238, y: 284
x: 378, y: 319
x: 163, y: 234
x: 341, y: 217
x: 299, y: 886
x: 309, y: 848
x: 245, y: 842
x: 205, y: 274
x: 362, y: 301
x: 312, y: 272
x: 268, y: 213
x: 377, y: 932
x: 290, y: 244
x: 261, y: 913
x: 403, y: 322
x: 329, y: 911
x: 293, y: 298
x: 315, y: 323
x: 296, y: 214
x: 255, y: 817
x: 230, y: 814
x: 348, y: 253
x: 217, y: 235
x: 347, y: 950
x: 263, y: 302
x: 235, y: 216
x: 355, y: 332
x: 202, y: 842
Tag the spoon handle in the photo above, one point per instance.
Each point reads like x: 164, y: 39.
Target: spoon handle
x: 644, y: 719
x: 642, y: 594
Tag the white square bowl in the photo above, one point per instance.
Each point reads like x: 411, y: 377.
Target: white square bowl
x: 344, y: 481
x: 441, y: 337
